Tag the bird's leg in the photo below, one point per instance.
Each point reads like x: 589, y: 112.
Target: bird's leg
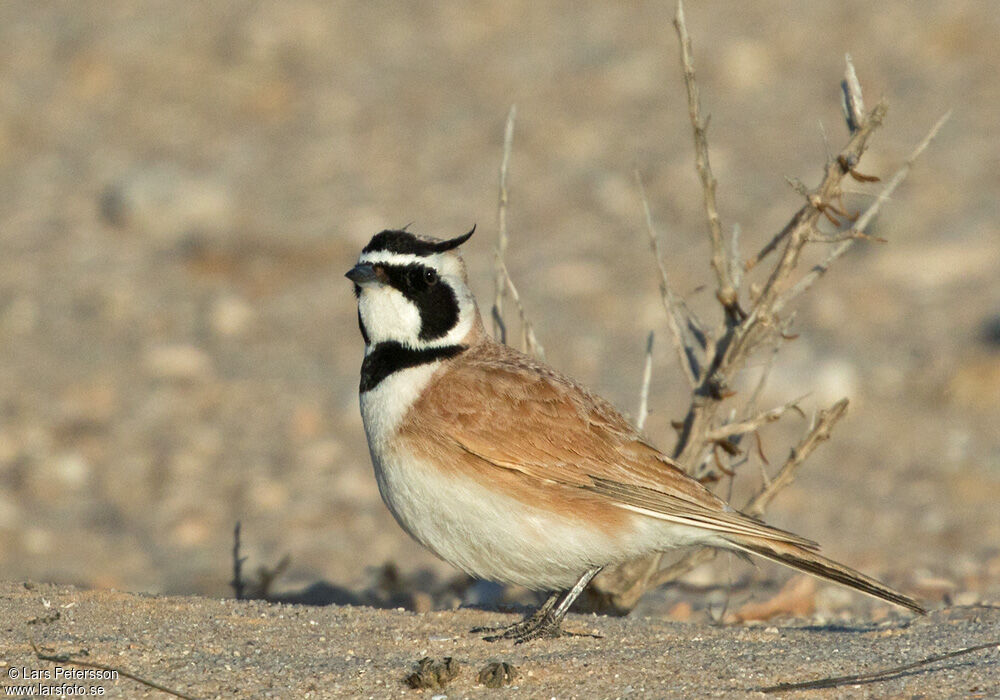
x: 531, y: 620
x: 547, y: 620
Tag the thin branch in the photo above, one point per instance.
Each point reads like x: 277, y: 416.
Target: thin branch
x: 735, y: 266
x: 754, y: 401
x: 647, y: 376
x: 529, y: 343
x: 859, y: 226
x: 500, y: 288
x: 849, y: 236
x: 876, y: 676
x: 806, y: 219
x: 689, y: 561
x: 806, y: 216
x: 751, y: 424
x: 727, y: 293
x: 826, y: 141
x: 762, y: 320
x: 679, y: 317
x: 67, y: 659
x: 818, y: 433
x: 239, y: 587
x: 852, y: 102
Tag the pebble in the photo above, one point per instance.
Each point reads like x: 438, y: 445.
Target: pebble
x: 169, y: 204
x: 231, y: 316
x: 178, y: 363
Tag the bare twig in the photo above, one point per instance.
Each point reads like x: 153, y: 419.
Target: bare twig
x: 647, y: 376
x: 735, y: 265
x: 754, y: 400
x: 751, y: 424
x: 735, y: 348
x: 727, y: 293
x: 529, y: 343
x: 67, y: 659
x: 859, y: 226
x: 681, y: 320
x: 877, y: 676
x: 851, y: 100
x: 710, y: 360
x: 500, y: 288
x: 806, y: 217
x: 237, y: 583
x: 826, y: 141
x: 818, y: 433
x: 694, y: 558
x: 502, y: 280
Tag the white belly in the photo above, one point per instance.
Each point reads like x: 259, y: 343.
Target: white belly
x: 483, y: 531
x: 487, y: 534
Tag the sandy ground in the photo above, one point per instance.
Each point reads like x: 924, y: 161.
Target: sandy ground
x: 209, y: 648
x: 182, y: 186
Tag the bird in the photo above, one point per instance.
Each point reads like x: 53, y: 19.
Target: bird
x: 510, y: 470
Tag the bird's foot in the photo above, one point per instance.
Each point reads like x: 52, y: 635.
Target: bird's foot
x: 541, y: 624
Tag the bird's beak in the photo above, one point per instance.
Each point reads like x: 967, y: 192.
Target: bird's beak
x: 362, y: 274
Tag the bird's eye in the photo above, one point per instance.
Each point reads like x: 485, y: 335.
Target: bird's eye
x: 430, y: 277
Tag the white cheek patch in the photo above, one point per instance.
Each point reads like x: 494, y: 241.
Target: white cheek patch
x: 388, y: 315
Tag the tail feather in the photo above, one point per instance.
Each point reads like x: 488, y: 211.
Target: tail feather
x: 818, y: 565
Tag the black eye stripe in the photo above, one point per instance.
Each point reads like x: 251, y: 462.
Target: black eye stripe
x: 405, y: 278
x: 437, y: 302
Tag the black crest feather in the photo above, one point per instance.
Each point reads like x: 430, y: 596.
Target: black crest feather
x: 404, y: 242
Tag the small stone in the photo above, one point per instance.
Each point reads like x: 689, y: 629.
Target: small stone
x: 989, y: 332
x: 967, y: 598
x: 178, y: 363
x: 681, y: 612
x: 72, y: 470
x: 231, y: 316
x: 421, y: 602
x: 169, y: 205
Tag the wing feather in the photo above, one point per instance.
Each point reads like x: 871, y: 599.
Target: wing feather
x: 549, y: 428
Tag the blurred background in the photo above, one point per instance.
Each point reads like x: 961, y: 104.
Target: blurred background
x: 183, y: 185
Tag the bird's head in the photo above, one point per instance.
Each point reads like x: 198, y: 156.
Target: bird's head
x: 413, y: 290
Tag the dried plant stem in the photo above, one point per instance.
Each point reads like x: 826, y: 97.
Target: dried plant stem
x: 751, y: 424
x: 743, y: 339
x: 691, y: 560
x: 529, y: 343
x: 859, y: 226
x: 679, y: 317
x: 647, y: 376
x: 818, y: 433
x: 710, y: 360
x: 726, y: 292
x: 239, y: 587
x: 67, y: 659
x: 853, y: 103
x: 884, y: 674
x: 500, y: 287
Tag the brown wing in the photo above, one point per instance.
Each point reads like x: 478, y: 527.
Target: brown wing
x: 548, y: 428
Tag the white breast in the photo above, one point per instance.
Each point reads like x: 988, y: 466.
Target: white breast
x: 384, y: 407
x: 483, y: 531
